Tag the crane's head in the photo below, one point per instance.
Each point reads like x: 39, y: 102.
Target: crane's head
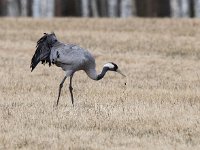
x: 113, y: 67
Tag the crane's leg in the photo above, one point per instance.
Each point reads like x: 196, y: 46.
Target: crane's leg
x: 60, y: 87
x: 70, y: 89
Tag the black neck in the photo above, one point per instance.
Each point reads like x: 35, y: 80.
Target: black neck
x: 102, y: 74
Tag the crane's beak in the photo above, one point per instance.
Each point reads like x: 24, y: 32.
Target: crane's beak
x: 119, y: 71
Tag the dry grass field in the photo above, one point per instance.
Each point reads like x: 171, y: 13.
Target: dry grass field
x: 158, y: 108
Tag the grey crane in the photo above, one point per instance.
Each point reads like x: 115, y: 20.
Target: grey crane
x: 70, y: 58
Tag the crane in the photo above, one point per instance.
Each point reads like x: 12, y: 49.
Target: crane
x: 70, y: 58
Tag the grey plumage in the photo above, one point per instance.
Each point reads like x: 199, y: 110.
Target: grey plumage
x: 70, y: 58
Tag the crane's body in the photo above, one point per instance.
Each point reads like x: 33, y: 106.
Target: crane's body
x: 70, y: 58
x: 77, y: 58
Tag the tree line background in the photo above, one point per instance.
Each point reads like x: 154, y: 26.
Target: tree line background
x: 100, y: 8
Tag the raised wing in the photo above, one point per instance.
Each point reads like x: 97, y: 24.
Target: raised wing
x: 43, y: 50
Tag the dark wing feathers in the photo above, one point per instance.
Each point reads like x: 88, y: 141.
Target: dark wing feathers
x: 42, y: 52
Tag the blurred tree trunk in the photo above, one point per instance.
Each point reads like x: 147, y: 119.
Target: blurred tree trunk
x: 175, y: 8
x: 13, y: 8
x: 2, y: 7
x: 94, y: 8
x: 103, y: 9
x: 134, y: 8
x: 197, y: 8
x: 85, y: 8
x: 113, y: 8
x: 127, y: 8
x: 36, y: 8
x: 58, y: 8
x: 69, y: 8
x: 24, y: 6
x: 147, y: 8
x: 152, y: 8
x: 141, y: 8
x: 78, y: 7
x: 185, y: 8
x: 30, y: 8
x: 192, y: 8
x: 43, y: 8
x: 180, y: 8
x: 163, y: 8
x: 50, y: 5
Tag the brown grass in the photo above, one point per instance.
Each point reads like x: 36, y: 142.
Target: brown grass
x: 158, y: 108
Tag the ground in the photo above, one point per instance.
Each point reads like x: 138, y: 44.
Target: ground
x: 157, y: 105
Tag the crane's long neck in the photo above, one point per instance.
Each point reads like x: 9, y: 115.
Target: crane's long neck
x: 93, y: 74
